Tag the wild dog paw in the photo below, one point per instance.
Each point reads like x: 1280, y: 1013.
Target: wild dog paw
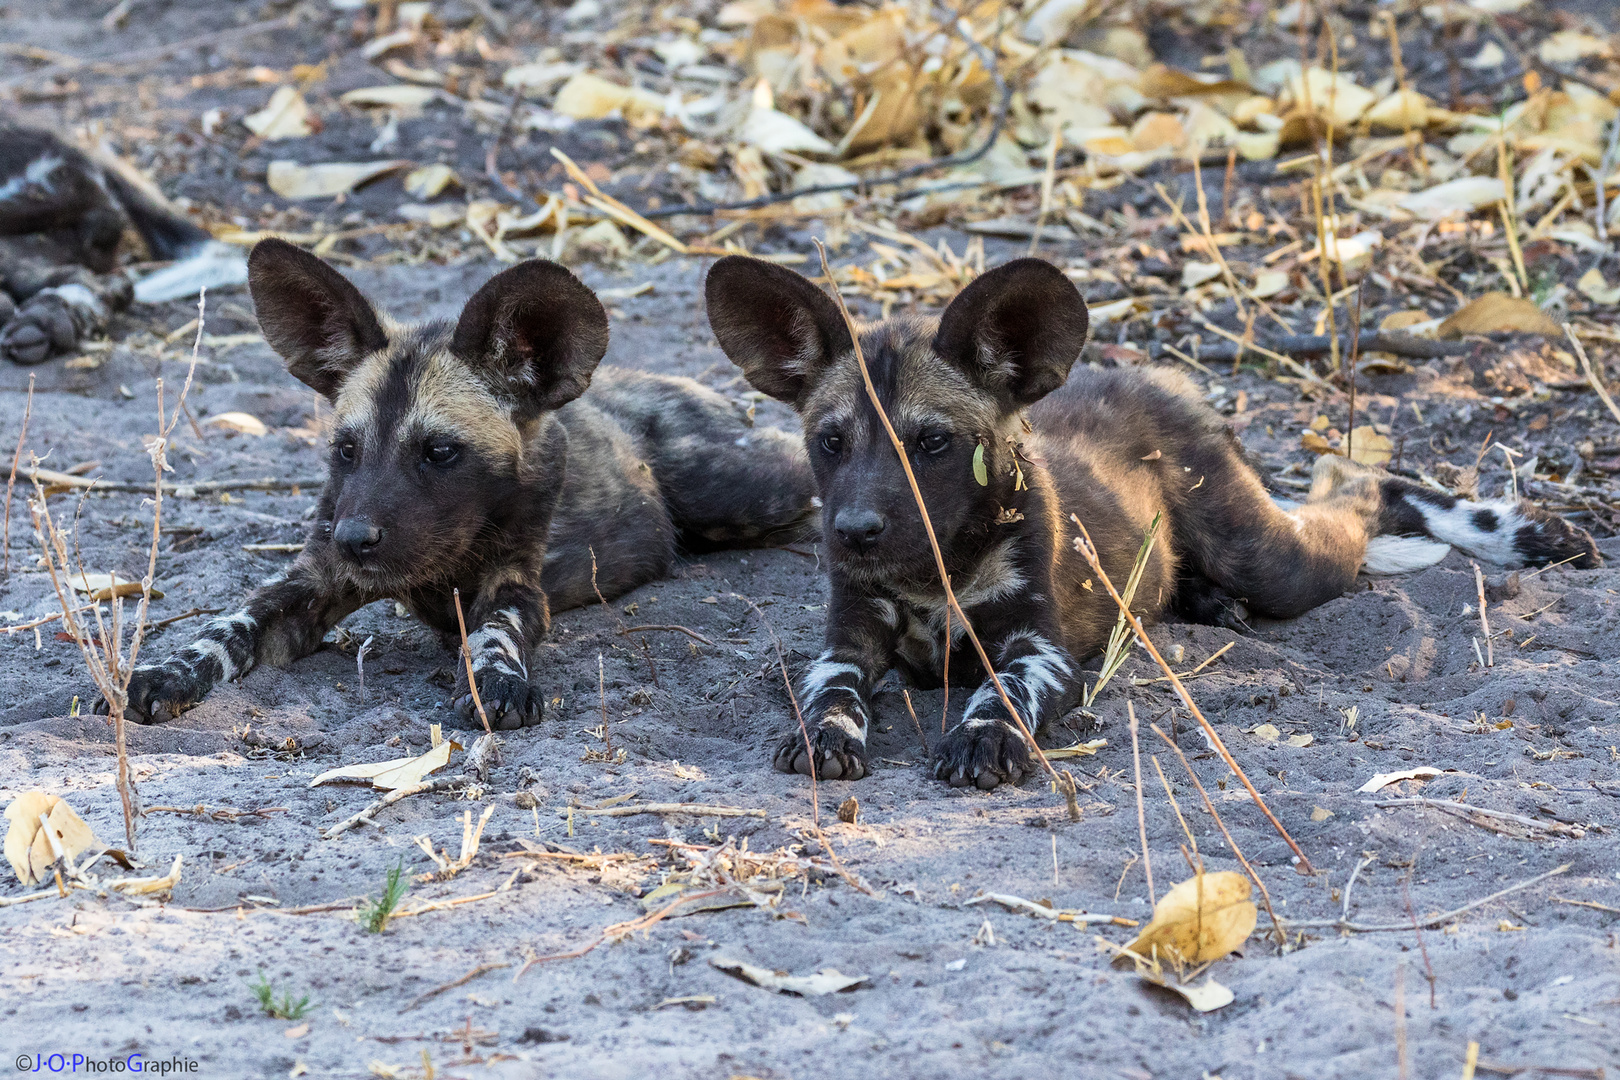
x: 510, y: 702
x: 982, y: 753
x: 835, y: 748
x: 158, y: 693
x: 42, y: 328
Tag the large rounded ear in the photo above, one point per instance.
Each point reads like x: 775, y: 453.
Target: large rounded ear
x: 537, y: 331
x: 1016, y: 330
x: 311, y: 314
x: 775, y: 324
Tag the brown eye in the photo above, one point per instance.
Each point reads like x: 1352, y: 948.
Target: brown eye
x: 441, y: 453
x: 832, y: 443
x: 344, y: 450
x: 935, y: 442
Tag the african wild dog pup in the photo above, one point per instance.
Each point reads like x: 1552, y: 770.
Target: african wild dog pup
x: 1006, y: 445
x: 480, y: 455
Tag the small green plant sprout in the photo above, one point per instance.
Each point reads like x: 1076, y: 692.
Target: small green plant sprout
x: 286, y: 1008
x: 374, y: 914
x: 1119, y: 640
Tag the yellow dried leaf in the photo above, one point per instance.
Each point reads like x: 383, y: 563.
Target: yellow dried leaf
x: 437, y: 216
x: 1162, y: 81
x: 1258, y: 145
x: 1568, y: 46
x: 1207, y: 996
x: 1301, y: 740
x: 28, y: 843
x: 1194, y: 274
x: 1496, y: 312
x: 397, y: 96
x: 142, y: 886
x: 285, y: 117
x: 1461, y: 196
x: 1321, y: 813
x: 291, y: 180
x: 244, y: 423
x: 1158, y: 131
x: 107, y: 586
x: 591, y: 97
x: 1400, y: 111
x: 1370, y: 448
x: 1401, y: 320
x: 1596, y: 288
x: 398, y: 773
x: 1310, y: 440
x: 1268, y: 283
x: 430, y: 180
x: 1267, y: 733
x: 1201, y: 919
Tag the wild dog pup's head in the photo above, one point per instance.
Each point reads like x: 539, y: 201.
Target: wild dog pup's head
x: 442, y: 432
x: 949, y: 387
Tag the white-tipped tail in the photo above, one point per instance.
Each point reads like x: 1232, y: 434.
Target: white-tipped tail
x: 214, y: 265
x: 1403, y: 554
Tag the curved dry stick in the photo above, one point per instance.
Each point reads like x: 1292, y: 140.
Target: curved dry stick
x: 1063, y: 783
x: 1086, y: 548
x: 1210, y: 806
x: 11, y: 481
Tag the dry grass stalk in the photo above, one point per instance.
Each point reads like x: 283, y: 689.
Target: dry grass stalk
x: 620, y: 931
x: 1086, y: 548
x: 1428, y: 968
x: 1119, y: 638
x: 1141, y: 812
x: 466, y: 658
x: 110, y: 669
x: 11, y: 481
x: 1402, y: 1068
x: 1047, y: 180
x: 1063, y: 783
x: 1355, y: 357
x: 916, y: 723
x: 1484, y: 622
x: 1430, y: 923
x: 1592, y: 376
x: 1209, y: 804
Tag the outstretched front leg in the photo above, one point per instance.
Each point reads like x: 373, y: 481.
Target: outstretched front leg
x: 507, y: 620
x: 986, y: 748
x: 57, y: 309
x: 280, y: 622
x: 835, y: 694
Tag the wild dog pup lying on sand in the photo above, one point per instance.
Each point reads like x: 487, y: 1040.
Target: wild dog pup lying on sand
x: 63, y: 214
x: 1113, y: 447
x: 480, y: 455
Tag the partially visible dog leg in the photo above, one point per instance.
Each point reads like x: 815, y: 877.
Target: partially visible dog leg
x: 986, y: 748
x: 57, y: 309
x: 835, y: 692
x: 511, y: 617
x: 280, y: 622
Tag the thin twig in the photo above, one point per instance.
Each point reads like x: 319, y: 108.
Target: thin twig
x: 1428, y: 968
x: 1089, y: 551
x: 916, y: 723
x: 1209, y: 804
x: 1591, y: 375
x: 466, y: 658
x: 1065, y: 783
x: 481, y: 969
x: 1355, y: 355
x: 693, y: 634
x: 688, y: 809
x: 1430, y: 923
x: 1141, y: 813
x: 1466, y: 810
x: 442, y: 783
x: 11, y: 481
x: 1484, y: 623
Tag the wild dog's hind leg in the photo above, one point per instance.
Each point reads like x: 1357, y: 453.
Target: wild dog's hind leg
x: 1278, y: 563
x: 835, y: 692
x: 280, y: 622
x: 58, y: 309
x: 1417, y: 526
x: 726, y: 482
x: 986, y: 748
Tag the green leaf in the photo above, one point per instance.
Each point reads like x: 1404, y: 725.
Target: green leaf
x: 980, y: 473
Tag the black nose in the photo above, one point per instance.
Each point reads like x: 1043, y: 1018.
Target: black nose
x: 859, y: 528
x: 356, y: 535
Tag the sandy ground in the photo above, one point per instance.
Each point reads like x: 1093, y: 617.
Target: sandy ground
x: 954, y: 989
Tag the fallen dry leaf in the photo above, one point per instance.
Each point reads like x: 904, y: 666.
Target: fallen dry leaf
x: 1201, y: 919
x: 1321, y: 813
x: 1461, y: 196
x: 591, y: 97
x: 1266, y: 733
x: 430, y: 180
x: 1498, y: 311
x: 241, y: 422
x: 1370, y: 448
x: 398, y: 773
x: 285, y: 117
x: 107, y: 586
x: 1596, y: 288
x: 291, y: 180
x: 1301, y: 740
x: 436, y: 216
x: 1384, y: 779
x: 29, y: 846
x: 142, y: 886
x: 825, y: 981
x: 398, y: 96
x: 1207, y: 996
